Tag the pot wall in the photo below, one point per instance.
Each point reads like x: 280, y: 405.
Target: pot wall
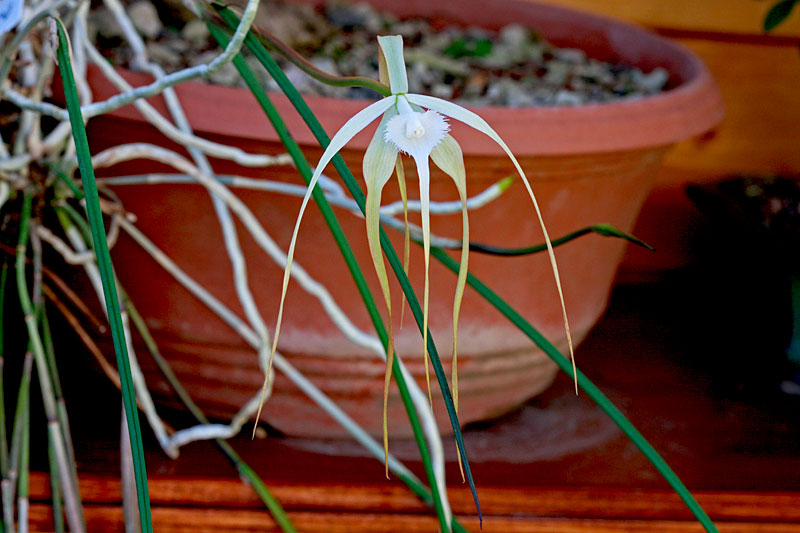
x: 498, y: 368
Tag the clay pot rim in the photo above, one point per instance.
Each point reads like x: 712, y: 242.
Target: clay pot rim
x: 692, y: 107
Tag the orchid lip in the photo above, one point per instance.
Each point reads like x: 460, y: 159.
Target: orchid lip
x: 416, y: 133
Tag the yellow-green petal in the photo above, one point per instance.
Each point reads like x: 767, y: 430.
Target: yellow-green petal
x: 448, y: 156
x: 378, y: 165
x: 401, y: 182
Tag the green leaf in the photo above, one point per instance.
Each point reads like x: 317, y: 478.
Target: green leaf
x: 3, y: 438
x: 605, y: 230
x: 107, y: 274
x: 777, y: 14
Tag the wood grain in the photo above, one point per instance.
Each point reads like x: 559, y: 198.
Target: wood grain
x: 608, y: 503
x: 195, y: 520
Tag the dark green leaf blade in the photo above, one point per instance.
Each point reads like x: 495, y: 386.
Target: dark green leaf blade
x: 777, y: 14
x: 605, y: 230
x: 107, y: 274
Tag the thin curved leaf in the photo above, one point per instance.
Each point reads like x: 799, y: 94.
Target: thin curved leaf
x: 604, y: 230
x: 600, y: 399
x: 106, y: 273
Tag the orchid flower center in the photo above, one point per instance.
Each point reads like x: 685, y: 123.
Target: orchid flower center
x: 414, y: 127
x: 415, y: 132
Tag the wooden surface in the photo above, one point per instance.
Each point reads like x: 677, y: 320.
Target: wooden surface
x: 757, y: 74
x: 722, y: 16
x: 556, y: 465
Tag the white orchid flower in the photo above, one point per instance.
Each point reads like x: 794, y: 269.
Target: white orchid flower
x: 416, y: 125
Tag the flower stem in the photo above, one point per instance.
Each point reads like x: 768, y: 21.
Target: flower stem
x: 271, y: 42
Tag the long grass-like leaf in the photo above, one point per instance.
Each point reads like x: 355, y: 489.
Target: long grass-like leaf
x: 586, y: 385
x: 316, y: 128
x: 55, y: 491
x: 23, y: 483
x: 63, y: 421
x: 106, y: 272
x: 3, y: 437
x: 10, y: 484
x: 305, y: 170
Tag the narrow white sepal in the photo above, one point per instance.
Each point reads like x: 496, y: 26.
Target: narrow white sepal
x: 357, y: 122
x: 392, y: 48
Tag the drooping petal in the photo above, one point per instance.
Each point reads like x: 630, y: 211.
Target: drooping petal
x: 392, y: 48
x: 471, y: 119
x: 447, y: 156
x: 356, y: 123
x: 380, y: 157
x: 401, y: 182
x: 379, y: 162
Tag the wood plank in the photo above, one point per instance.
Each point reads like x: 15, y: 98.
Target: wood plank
x: 745, y: 451
x: 608, y: 503
x: 180, y: 520
x: 725, y: 16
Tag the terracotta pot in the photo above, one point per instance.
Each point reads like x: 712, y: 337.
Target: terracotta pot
x: 589, y: 164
